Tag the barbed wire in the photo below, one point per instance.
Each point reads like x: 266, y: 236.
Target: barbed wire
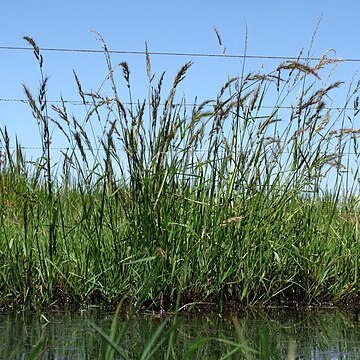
x: 169, y: 53
x: 98, y: 149
x: 165, y: 53
x: 176, y: 53
x: 79, y: 102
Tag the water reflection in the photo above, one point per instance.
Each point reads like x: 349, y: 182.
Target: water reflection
x: 274, y: 334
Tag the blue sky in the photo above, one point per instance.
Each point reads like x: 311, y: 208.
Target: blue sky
x: 273, y: 28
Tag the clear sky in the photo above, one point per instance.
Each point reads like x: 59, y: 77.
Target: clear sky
x: 273, y: 28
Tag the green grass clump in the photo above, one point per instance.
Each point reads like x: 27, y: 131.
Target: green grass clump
x: 225, y: 200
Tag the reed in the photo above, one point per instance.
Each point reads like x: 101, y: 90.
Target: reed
x: 224, y: 201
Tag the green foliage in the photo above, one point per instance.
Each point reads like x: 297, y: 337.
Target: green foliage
x: 171, y: 204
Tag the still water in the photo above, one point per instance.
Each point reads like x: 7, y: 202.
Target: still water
x: 271, y: 334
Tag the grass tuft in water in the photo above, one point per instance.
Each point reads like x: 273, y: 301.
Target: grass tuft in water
x: 161, y: 204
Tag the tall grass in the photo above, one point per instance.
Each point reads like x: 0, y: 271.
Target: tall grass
x: 224, y: 200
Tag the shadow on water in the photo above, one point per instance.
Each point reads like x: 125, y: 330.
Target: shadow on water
x: 271, y: 334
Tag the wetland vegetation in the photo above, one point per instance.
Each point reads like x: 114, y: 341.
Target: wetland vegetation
x: 215, y: 202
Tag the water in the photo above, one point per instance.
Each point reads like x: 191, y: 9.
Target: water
x: 275, y: 334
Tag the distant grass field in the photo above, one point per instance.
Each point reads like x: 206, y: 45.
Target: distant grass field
x: 224, y: 201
